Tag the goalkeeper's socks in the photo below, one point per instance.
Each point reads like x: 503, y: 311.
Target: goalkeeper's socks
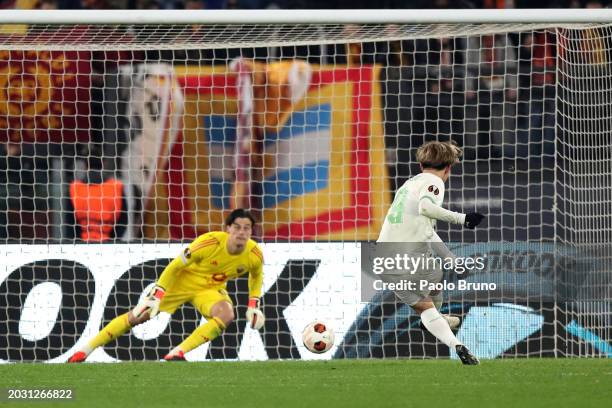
x: 206, y: 332
x: 438, y: 326
x: 118, y: 326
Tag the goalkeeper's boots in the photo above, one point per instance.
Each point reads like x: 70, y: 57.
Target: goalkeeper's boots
x: 453, y: 322
x: 78, y: 357
x: 466, y: 356
x: 180, y: 356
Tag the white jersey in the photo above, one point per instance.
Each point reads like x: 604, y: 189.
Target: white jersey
x: 403, y: 222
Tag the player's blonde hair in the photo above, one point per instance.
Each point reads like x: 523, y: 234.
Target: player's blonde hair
x: 438, y: 155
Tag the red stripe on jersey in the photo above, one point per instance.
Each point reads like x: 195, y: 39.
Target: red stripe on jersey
x: 258, y: 254
x: 204, y: 244
x: 208, y: 241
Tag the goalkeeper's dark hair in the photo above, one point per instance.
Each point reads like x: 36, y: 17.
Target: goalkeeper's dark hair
x: 239, y: 213
x: 438, y: 155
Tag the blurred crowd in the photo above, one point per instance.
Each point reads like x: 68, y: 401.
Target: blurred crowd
x: 291, y: 4
x: 494, y: 94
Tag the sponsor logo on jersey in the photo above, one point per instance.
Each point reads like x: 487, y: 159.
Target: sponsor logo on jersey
x: 433, y: 189
x: 219, y: 277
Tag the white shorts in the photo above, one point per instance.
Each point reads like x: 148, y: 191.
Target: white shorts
x: 411, y: 297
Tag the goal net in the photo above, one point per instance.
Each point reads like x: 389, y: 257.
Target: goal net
x: 124, y: 137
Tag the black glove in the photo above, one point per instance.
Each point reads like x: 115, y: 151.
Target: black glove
x: 472, y: 220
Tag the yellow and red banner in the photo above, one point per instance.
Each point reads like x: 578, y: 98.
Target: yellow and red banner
x: 323, y: 169
x: 44, y: 95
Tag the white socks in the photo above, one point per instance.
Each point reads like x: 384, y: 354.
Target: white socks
x: 175, y: 351
x: 437, y: 325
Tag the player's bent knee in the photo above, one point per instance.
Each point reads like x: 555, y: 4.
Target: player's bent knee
x: 224, y: 311
x: 423, y: 305
x: 227, y: 316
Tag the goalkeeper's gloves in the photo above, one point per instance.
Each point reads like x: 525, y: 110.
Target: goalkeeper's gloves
x: 472, y: 220
x: 150, y: 303
x: 254, y: 316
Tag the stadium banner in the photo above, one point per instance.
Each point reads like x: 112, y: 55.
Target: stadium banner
x: 495, y: 271
x: 316, y: 163
x: 144, y: 105
x: 44, y: 96
x: 54, y: 298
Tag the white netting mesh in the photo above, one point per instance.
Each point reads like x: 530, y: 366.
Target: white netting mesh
x: 585, y: 171
x: 221, y: 36
x: 314, y: 127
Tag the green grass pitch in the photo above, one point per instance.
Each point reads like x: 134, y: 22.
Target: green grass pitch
x: 340, y: 383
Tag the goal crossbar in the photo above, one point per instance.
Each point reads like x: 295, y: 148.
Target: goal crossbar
x: 83, y: 30
x: 353, y: 16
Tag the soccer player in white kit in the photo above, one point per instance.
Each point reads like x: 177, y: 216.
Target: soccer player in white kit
x: 412, y: 218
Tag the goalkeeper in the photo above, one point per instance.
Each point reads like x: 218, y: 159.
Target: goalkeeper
x: 199, y: 275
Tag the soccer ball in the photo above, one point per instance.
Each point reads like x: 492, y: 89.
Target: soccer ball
x: 318, y: 337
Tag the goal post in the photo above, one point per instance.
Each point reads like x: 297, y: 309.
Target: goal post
x: 126, y: 134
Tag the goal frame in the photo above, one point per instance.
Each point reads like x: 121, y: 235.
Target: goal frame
x: 538, y: 17
x: 354, y: 16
